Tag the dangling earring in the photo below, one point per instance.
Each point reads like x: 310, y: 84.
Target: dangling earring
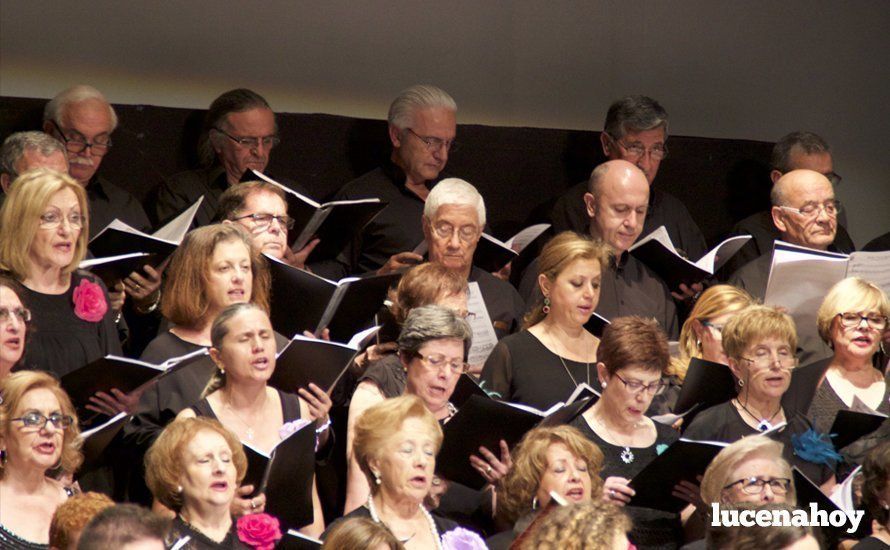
x: 222, y: 372
x: 376, y: 478
x: 741, y: 383
x: 546, y: 308
x: 535, y: 503
x: 698, y: 344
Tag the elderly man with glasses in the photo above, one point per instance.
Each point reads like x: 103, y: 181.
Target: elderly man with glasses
x: 794, y: 151
x: 422, y: 127
x: 636, y: 131
x: 239, y: 134
x: 82, y: 119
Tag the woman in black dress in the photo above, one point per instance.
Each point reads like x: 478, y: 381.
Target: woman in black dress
x: 544, y: 364
x: 45, y: 225
x: 240, y: 398
x: 194, y: 468
x: 760, y: 342
x: 633, y: 357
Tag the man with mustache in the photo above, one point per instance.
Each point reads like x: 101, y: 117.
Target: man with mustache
x: 82, y: 119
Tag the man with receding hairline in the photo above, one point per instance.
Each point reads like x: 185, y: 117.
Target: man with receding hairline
x: 23, y: 151
x: 804, y: 212
x: 617, y: 203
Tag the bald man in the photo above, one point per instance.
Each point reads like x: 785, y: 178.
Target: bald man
x: 804, y: 212
x: 617, y: 202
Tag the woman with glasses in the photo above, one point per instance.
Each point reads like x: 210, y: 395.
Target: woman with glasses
x: 544, y: 364
x: 433, y: 347
x: 851, y: 320
x: 760, y: 342
x: 632, y: 359
x: 750, y: 470
x: 38, y: 435
x: 44, y: 223
x: 14, y: 320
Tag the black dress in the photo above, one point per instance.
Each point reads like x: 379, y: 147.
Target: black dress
x: 388, y: 374
x: 522, y: 370
x: 724, y: 423
x: 651, y: 528
x: 59, y: 340
x: 199, y: 541
x: 290, y: 407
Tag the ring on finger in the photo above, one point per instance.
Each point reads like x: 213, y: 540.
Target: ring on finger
x: 489, y: 469
x: 611, y: 492
x: 252, y: 504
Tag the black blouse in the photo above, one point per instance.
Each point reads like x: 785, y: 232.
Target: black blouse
x: 199, y: 541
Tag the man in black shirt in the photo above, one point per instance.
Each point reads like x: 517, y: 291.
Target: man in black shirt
x: 795, y: 151
x: 636, y: 131
x: 422, y: 127
x: 616, y: 206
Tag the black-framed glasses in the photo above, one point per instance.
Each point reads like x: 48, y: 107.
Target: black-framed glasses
x: 251, y: 142
x: 436, y: 361
x: 37, y: 421
x: 262, y: 221
x: 434, y: 144
x: 811, y: 210
x: 853, y: 320
x: 636, y: 151
x: 635, y: 386
x: 80, y: 144
x: 755, y: 485
x: 20, y: 313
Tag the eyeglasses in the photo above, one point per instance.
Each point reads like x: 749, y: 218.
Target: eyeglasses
x: 52, y: 220
x: 812, y: 210
x: 873, y: 320
x: 79, y: 144
x: 634, y: 386
x: 22, y: 314
x: 434, y: 144
x: 717, y: 329
x: 636, y: 151
x: 755, y: 485
x: 37, y: 421
x: 261, y: 222
x: 467, y: 233
x: 436, y: 361
x: 251, y: 142
x: 764, y: 359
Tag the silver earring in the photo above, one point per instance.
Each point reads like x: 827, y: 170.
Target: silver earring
x: 376, y: 478
x: 741, y: 383
x: 698, y: 344
x: 535, y: 503
x: 179, y: 488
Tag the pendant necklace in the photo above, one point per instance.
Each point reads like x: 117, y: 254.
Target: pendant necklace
x: 626, y: 456
x: 249, y: 433
x: 764, y: 424
x: 566, y: 367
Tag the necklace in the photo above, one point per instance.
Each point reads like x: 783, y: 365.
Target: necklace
x: 566, y: 367
x: 250, y: 432
x: 764, y: 424
x: 626, y: 455
x: 426, y: 514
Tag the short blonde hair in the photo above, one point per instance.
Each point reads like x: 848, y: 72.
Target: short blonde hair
x: 164, y: 460
x: 850, y: 295
x: 360, y: 533
x: 184, y: 300
x: 558, y: 254
x: 518, y: 488
x: 715, y: 301
x: 20, y: 218
x: 586, y: 525
x: 755, y: 323
x: 719, y: 472
x: 73, y: 515
x: 380, y: 423
x: 14, y: 387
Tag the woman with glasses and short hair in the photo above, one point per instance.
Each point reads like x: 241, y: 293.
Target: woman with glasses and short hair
x: 851, y: 320
x: 760, y: 342
x: 632, y: 360
x: 44, y: 223
x: 14, y: 321
x: 38, y: 435
x: 750, y: 470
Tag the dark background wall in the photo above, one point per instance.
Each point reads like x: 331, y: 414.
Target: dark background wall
x: 729, y: 70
